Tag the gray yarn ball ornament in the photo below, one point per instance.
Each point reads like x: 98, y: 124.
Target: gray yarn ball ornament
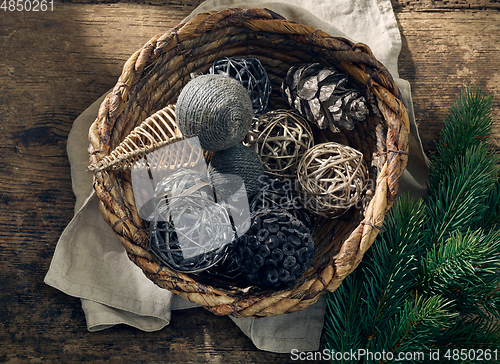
x: 216, y: 109
x: 229, y: 168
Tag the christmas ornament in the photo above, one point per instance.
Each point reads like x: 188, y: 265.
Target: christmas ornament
x: 281, y: 138
x: 216, y: 109
x: 276, y: 250
x: 157, y: 131
x: 154, y: 166
x: 230, y: 168
x: 227, y: 267
x: 251, y: 74
x: 280, y: 194
x: 182, y: 182
x: 324, y: 97
x: 190, y: 232
x: 332, y: 178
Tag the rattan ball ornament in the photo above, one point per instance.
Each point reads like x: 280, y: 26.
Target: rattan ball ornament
x: 216, y: 109
x: 229, y: 168
x: 251, y: 74
x: 281, y: 138
x: 189, y: 232
x: 276, y: 250
x: 226, y: 268
x: 182, y: 182
x: 332, y: 178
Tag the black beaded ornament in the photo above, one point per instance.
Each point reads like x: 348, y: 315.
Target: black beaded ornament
x: 276, y: 250
x: 251, y: 74
x: 189, y: 231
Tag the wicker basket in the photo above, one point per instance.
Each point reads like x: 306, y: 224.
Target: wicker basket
x: 151, y: 80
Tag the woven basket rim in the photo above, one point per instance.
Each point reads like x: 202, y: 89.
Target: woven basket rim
x: 114, y: 190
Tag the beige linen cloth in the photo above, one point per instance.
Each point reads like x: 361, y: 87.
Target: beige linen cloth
x: 89, y: 261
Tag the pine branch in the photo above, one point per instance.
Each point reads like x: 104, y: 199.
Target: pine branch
x: 468, y: 124
x: 419, y: 323
x: 345, y: 319
x: 491, y: 218
x: 358, y: 311
x: 464, y: 176
x: 391, y: 264
x: 466, y: 270
x: 470, y: 332
x: 459, y: 198
x: 432, y: 277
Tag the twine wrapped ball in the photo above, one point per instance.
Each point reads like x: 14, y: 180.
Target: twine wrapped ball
x: 190, y: 232
x: 332, y: 178
x: 216, y: 109
x: 229, y: 168
x: 281, y: 138
x: 251, y: 74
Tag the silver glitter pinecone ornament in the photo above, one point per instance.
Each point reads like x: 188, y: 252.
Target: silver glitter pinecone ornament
x: 216, y: 109
x: 324, y: 97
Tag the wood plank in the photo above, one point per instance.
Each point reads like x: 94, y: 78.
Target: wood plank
x: 444, y: 5
x: 52, y: 66
x: 441, y: 54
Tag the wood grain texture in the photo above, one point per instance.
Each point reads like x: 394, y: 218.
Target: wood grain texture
x: 444, y: 5
x: 55, y: 64
x: 442, y: 53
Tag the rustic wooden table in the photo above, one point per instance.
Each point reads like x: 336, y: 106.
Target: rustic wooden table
x: 54, y: 64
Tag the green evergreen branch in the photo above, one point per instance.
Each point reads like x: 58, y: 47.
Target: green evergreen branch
x: 344, y: 319
x: 458, y: 199
x: 468, y: 124
x: 463, y: 177
x: 432, y: 277
x: 380, y: 285
x: 470, y: 332
x: 466, y: 269
x: 420, y: 321
x: 491, y: 218
x: 391, y: 266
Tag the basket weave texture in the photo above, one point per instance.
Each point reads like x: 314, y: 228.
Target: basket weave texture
x: 151, y: 80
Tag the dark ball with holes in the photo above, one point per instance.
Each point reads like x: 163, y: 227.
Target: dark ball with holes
x: 276, y: 250
x: 280, y: 193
